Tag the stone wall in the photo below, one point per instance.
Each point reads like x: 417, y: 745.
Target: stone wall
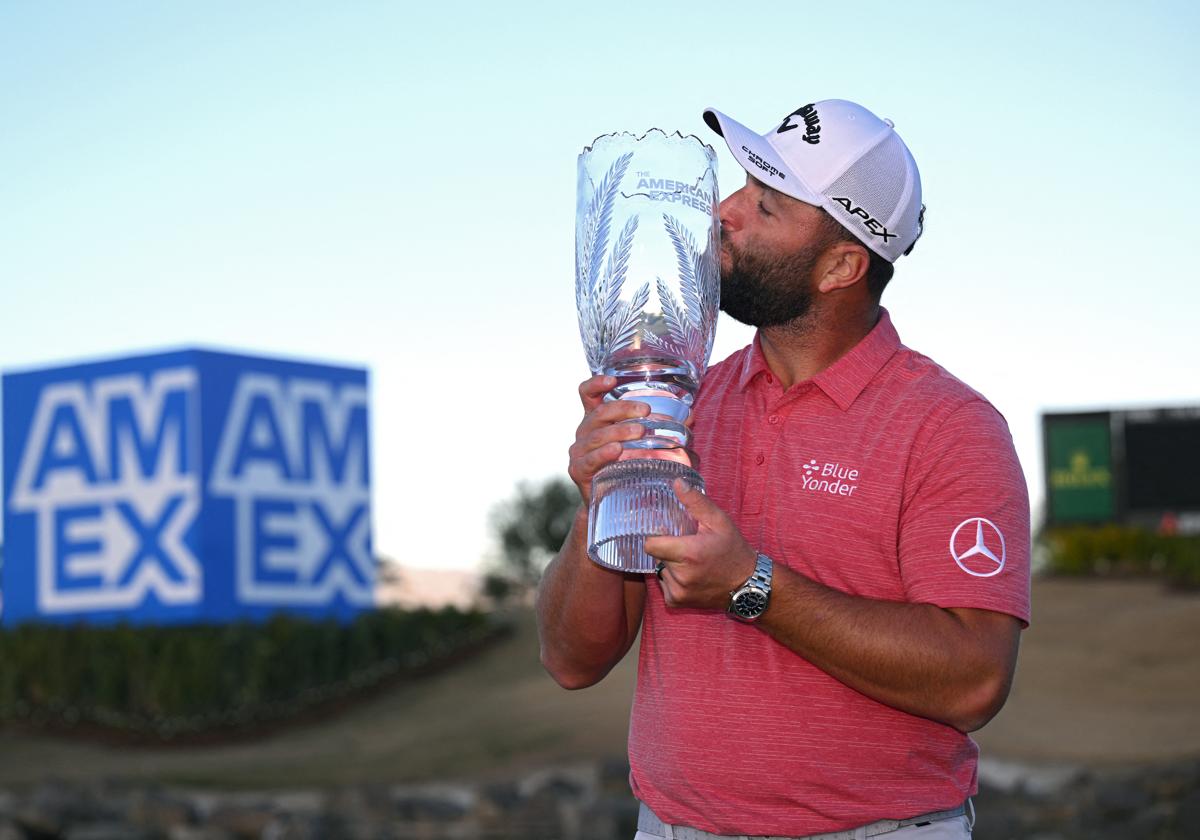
x: 579, y: 802
x: 1159, y: 802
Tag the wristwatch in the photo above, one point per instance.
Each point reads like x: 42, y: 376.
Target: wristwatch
x: 750, y: 601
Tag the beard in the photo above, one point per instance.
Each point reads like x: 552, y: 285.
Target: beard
x: 768, y: 291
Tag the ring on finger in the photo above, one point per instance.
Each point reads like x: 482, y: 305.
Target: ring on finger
x: 658, y: 569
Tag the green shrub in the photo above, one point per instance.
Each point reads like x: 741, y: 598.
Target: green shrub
x: 1125, y: 551
x: 171, y: 680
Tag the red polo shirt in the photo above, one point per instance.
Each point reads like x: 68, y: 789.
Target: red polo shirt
x: 882, y: 476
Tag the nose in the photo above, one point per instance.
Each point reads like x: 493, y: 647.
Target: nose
x: 731, y: 211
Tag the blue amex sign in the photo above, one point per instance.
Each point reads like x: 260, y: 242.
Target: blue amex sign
x: 186, y: 487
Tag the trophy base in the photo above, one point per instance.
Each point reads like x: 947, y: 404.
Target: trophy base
x: 632, y: 500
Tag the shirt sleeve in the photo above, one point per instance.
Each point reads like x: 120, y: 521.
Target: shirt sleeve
x: 964, y: 526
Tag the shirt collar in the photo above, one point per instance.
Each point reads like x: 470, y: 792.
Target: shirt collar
x: 846, y: 378
x: 753, y: 363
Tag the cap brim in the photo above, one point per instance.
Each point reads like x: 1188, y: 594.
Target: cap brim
x: 759, y: 158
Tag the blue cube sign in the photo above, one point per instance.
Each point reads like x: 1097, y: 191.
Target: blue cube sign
x: 185, y: 487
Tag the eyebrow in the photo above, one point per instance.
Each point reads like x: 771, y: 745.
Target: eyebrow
x: 767, y: 192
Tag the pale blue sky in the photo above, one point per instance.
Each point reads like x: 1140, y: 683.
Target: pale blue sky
x: 380, y: 185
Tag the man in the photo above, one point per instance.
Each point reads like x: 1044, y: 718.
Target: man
x: 866, y: 519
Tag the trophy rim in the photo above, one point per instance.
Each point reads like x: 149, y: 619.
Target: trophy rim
x: 709, y: 150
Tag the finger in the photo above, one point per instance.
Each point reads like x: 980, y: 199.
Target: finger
x: 590, y: 438
x: 613, y: 411
x: 703, y: 509
x: 667, y: 583
x: 592, y: 391
x: 585, y: 466
x: 667, y: 549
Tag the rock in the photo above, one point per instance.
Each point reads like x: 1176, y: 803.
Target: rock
x: 996, y: 820
x: 303, y: 827
x: 1173, y: 781
x: 442, y: 803
x: 1152, y: 821
x: 1051, y: 781
x: 578, y: 802
x: 109, y: 831
x: 614, y: 776
x: 54, y: 807
x: 240, y: 820
x: 1119, y: 798
x: 504, y: 795
x: 609, y: 817
x: 299, y: 802
x: 1036, y: 780
x: 1003, y: 776
x: 1187, y: 815
x: 158, y: 810
x: 363, y: 812
x: 198, y: 832
x: 578, y: 782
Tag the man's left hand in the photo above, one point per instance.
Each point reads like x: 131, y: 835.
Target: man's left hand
x: 702, y: 570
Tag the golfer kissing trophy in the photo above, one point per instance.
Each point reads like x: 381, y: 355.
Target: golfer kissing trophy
x: 647, y: 284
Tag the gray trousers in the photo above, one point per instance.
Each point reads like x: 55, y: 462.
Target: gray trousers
x: 955, y: 828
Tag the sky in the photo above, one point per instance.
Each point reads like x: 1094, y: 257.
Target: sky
x: 392, y: 185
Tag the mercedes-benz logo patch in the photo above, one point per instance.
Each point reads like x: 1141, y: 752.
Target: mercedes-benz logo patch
x: 980, y: 551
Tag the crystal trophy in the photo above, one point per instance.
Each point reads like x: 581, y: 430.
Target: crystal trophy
x: 647, y: 287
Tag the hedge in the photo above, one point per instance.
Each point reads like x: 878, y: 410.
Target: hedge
x: 1111, y: 550
x: 167, y: 681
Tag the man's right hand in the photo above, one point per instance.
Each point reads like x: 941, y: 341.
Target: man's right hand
x: 599, y: 437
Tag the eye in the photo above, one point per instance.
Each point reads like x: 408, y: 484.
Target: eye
x: 763, y: 210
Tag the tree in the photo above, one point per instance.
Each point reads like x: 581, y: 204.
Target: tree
x: 530, y: 528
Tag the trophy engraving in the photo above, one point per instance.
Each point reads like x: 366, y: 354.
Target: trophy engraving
x: 647, y: 288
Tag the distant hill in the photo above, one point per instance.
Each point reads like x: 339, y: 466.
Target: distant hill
x: 410, y: 586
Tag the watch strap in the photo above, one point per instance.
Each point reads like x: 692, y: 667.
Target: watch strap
x: 764, y: 568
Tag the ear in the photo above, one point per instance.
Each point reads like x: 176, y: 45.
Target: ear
x: 842, y: 265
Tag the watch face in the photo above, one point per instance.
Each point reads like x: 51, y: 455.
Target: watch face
x: 750, y: 603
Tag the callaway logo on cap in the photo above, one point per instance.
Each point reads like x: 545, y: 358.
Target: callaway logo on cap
x: 837, y: 155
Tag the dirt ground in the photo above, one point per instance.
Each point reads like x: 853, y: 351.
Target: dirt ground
x: 1109, y: 673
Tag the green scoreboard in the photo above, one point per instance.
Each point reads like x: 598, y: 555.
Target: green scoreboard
x: 1123, y: 466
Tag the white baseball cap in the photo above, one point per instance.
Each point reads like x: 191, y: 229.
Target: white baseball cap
x: 837, y: 155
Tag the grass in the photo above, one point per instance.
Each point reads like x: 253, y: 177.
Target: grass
x: 495, y: 715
